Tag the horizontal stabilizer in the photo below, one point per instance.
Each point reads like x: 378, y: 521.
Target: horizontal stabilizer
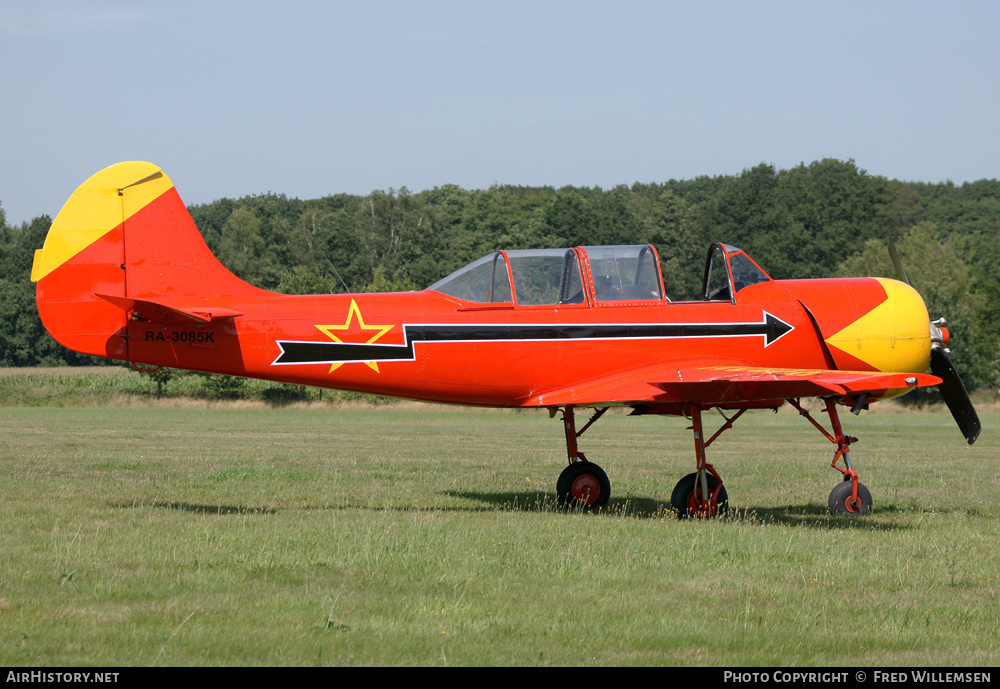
x: 158, y: 312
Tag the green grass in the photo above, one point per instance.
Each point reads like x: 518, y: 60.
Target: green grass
x: 227, y: 535
x: 122, y: 386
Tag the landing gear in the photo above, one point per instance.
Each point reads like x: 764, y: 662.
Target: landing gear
x: 701, y: 495
x: 844, y: 501
x: 688, y: 497
x: 583, y: 484
x: 850, y: 497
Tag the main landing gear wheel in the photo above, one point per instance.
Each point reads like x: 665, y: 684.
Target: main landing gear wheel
x: 686, y: 498
x: 583, y: 484
x: 842, y: 500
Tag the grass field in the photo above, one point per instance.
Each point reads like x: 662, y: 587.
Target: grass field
x: 222, y: 534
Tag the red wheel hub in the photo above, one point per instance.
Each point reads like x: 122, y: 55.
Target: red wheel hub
x: 699, y: 508
x: 585, y: 490
x: 853, y: 504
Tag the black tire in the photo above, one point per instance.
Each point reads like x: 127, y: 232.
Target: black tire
x: 840, y: 503
x: 583, y: 484
x: 686, y: 486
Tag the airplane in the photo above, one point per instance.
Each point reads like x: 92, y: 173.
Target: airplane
x: 125, y: 274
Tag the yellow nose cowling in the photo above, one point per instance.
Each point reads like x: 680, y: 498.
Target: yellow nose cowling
x: 894, y: 336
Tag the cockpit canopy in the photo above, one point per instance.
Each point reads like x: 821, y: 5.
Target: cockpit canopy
x: 535, y: 277
x: 590, y: 274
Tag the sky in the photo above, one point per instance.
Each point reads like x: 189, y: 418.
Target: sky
x: 312, y: 98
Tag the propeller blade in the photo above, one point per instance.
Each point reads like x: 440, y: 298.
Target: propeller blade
x: 952, y: 389
x: 954, y: 394
x: 894, y: 255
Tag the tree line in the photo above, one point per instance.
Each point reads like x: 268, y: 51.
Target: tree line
x: 825, y: 219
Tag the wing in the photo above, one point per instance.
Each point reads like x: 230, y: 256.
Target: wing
x: 728, y: 384
x: 722, y: 384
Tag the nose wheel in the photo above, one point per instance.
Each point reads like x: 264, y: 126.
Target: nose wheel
x: 850, y: 497
x: 843, y: 499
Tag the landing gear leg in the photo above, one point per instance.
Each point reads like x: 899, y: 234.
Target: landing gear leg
x: 851, y: 497
x: 701, y: 494
x: 582, y: 483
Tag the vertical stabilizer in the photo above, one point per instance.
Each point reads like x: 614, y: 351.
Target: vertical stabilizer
x: 124, y: 237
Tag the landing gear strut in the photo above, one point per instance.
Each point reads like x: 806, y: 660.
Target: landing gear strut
x: 582, y: 483
x: 851, y: 497
x: 702, y: 494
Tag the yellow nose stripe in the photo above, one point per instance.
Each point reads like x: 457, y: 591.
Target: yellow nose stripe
x: 894, y: 336
x: 96, y: 208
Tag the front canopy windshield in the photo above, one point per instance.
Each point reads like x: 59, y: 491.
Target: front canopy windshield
x: 727, y: 271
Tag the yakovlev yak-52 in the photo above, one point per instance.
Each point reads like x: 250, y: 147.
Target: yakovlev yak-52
x: 125, y: 274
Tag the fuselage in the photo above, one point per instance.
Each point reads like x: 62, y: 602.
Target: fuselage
x: 430, y: 346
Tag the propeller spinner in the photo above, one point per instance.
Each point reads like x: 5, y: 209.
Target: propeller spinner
x: 952, y: 389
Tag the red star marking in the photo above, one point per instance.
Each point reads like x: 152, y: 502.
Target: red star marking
x: 354, y: 313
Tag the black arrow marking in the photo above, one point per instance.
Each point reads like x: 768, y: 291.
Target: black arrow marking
x: 770, y: 328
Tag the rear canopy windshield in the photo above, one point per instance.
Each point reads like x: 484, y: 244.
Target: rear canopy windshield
x: 624, y: 272
x: 483, y: 281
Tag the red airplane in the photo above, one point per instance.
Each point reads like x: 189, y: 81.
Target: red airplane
x: 125, y: 274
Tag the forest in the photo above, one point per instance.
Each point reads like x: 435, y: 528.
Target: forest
x: 824, y: 219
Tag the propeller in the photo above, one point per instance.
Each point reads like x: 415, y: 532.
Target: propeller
x: 952, y: 389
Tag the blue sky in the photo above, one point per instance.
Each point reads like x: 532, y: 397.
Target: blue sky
x: 316, y: 98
